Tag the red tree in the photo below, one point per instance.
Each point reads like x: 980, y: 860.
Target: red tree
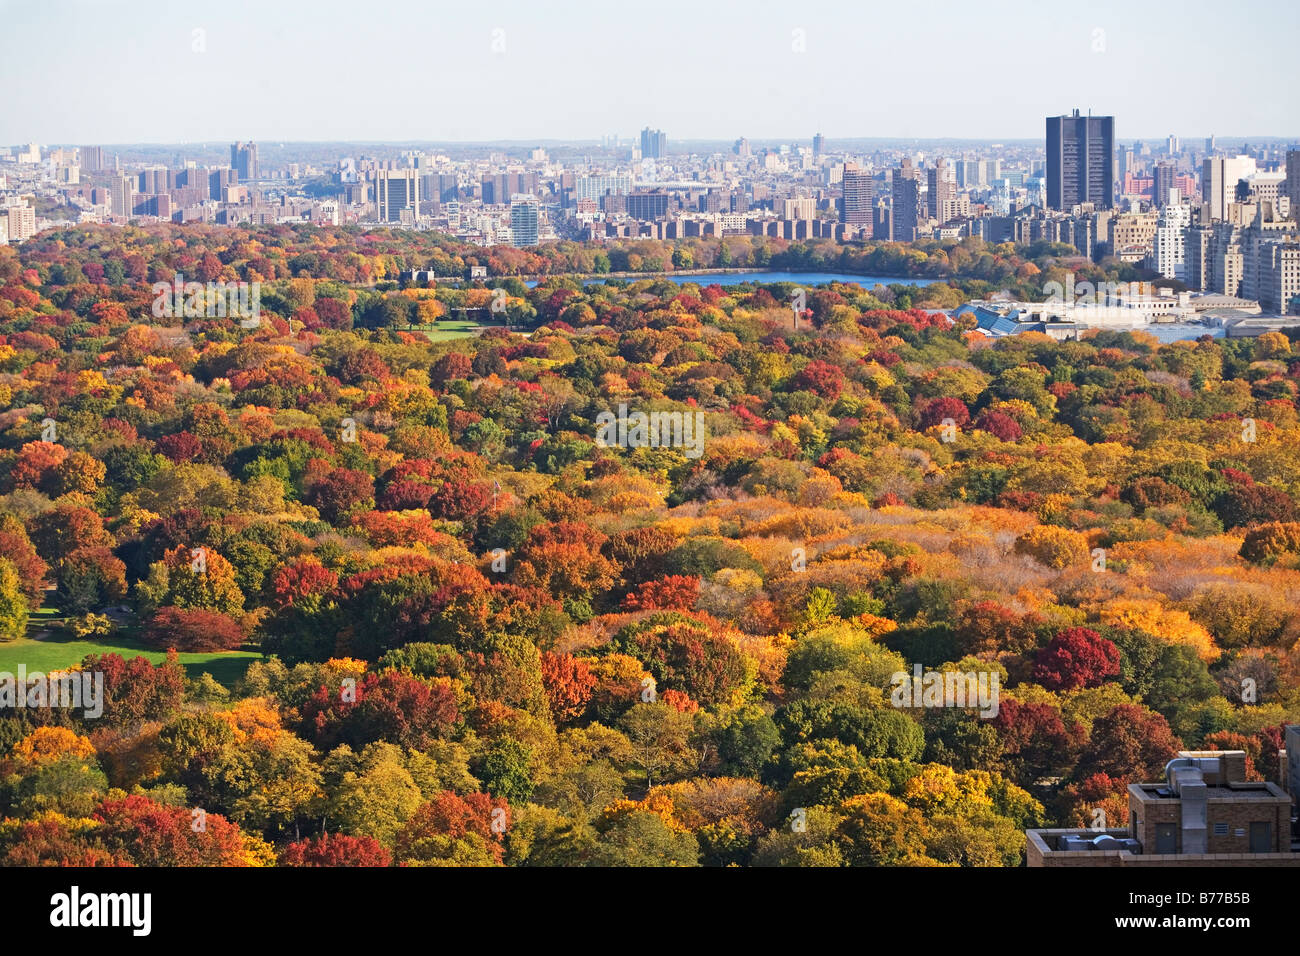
x: 339, y: 491
x: 947, y: 407
x: 1000, y: 425
x: 673, y: 592
x: 337, y: 849
x: 303, y: 578
x: 1076, y: 657
x: 820, y: 378
x: 569, y: 683
x: 391, y: 706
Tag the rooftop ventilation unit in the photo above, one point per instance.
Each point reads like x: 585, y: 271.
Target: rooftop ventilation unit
x: 1186, y: 777
x: 1102, y: 841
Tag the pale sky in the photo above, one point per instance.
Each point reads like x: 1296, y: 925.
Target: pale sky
x: 127, y: 71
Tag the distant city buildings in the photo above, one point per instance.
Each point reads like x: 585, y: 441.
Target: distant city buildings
x: 1219, y: 220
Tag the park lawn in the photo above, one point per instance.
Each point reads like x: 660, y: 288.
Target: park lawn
x: 58, y: 651
x: 446, y: 329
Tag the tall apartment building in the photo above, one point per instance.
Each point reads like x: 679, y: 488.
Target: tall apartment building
x: 819, y: 146
x: 155, y: 181
x: 397, y: 191
x: 121, y: 190
x: 1219, y: 178
x: 1169, y: 249
x: 593, y: 187
x: 905, y: 195
x: 856, y: 206
x: 20, y: 221
x: 243, y: 160
x: 1269, y: 267
x: 1131, y: 235
x: 499, y: 187
x: 1293, y: 180
x: 523, y: 220
x: 1216, y: 260
x: 1164, y: 177
x: 941, y: 189
x: 92, y: 158
x: 802, y: 208
x: 1278, y: 276
x: 1080, y: 161
x: 654, y: 143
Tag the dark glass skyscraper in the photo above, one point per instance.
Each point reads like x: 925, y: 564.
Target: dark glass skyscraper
x: 1080, y: 161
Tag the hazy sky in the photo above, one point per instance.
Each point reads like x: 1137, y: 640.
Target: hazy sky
x: 121, y: 71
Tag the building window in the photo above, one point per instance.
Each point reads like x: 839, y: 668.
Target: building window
x: 1220, y: 829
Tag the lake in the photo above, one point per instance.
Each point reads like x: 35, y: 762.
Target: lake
x: 1179, y: 333
x: 735, y: 278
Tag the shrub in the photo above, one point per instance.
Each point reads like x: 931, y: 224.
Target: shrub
x: 193, y: 629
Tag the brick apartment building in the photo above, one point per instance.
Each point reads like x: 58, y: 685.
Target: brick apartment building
x: 1205, y: 813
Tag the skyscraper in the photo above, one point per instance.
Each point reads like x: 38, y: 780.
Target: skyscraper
x: 654, y: 143
x: 1080, y: 161
x: 819, y: 146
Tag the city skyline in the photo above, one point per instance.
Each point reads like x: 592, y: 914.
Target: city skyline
x: 263, y: 74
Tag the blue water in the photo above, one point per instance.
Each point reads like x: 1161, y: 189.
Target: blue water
x: 1178, y: 333
x: 803, y: 278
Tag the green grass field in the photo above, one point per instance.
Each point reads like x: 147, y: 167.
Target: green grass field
x: 445, y: 329
x: 58, y: 649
